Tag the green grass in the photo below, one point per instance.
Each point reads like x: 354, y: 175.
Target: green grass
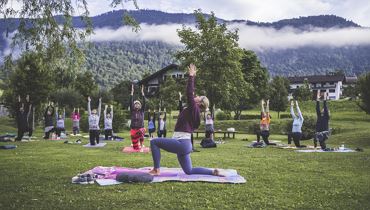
x: 37, y: 175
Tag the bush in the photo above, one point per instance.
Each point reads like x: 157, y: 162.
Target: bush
x: 250, y: 117
x: 220, y: 115
x: 285, y: 116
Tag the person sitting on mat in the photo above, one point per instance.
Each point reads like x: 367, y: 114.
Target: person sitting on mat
x: 180, y: 143
x: 22, y: 115
x: 265, y: 123
x: 137, y: 110
x: 322, y: 123
x: 162, y: 130
x: 94, y: 117
x: 296, y: 134
x: 108, y: 122
x: 76, y: 121
x: 151, y: 124
x: 60, y: 122
x: 49, y: 118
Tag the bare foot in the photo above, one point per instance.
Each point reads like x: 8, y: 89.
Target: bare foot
x: 155, y: 172
x: 216, y: 172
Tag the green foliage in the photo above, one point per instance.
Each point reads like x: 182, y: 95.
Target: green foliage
x: 85, y: 84
x: 215, y: 52
x: 28, y: 78
x: 67, y: 98
x: 351, y: 91
x: 256, y: 75
x: 169, y: 93
x: 303, y: 93
x: 121, y: 93
x: 279, y: 94
x: 114, y: 62
x: 221, y: 115
x: 364, y: 88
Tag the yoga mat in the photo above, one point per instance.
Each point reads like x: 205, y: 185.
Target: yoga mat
x: 107, y: 175
x: 271, y: 141
x: 132, y: 150
x: 320, y: 150
x: 8, y: 146
x: 96, y: 145
x: 283, y: 146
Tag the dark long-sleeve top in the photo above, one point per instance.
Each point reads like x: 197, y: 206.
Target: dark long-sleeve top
x: 137, y: 116
x: 322, y: 123
x: 22, y: 117
x: 189, y: 117
x: 49, y: 118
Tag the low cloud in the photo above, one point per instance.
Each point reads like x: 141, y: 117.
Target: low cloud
x: 250, y: 37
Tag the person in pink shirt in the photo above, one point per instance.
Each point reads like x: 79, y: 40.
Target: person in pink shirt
x: 76, y: 121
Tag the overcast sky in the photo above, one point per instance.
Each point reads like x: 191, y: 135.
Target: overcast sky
x: 255, y: 10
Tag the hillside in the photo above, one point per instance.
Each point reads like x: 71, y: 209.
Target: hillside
x: 112, y: 62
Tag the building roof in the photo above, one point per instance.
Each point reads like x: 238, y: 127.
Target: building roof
x: 158, y: 73
x: 350, y: 80
x: 316, y: 78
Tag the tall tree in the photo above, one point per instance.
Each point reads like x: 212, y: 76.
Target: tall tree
x: 279, y: 94
x: 28, y: 72
x: 363, y: 85
x: 169, y: 91
x: 256, y: 75
x: 215, y: 52
x: 85, y: 84
x: 46, y: 28
x: 303, y: 93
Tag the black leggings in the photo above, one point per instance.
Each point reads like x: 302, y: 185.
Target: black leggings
x: 296, y: 137
x: 108, y: 133
x: 265, y: 136
x: 58, y: 131
x: 94, y: 136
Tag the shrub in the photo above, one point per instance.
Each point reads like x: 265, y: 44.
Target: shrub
x: 220, y: 115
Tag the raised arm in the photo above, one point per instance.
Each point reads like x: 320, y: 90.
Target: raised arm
x: 111, y: 111
x: 268, y: 107
x: 132, y: 98
x: 64, y: 113
x: 105, y: 111
x: 292, y: 109
x: 298, y: 110
x: 318, y: 112
x: 78, y: 113
x: 180, y: 102
x: 56, y: 112
x: 190, y: 86
x: 144, y: 99
x: 88, y: 105
x: 326, y: 111
x: 99, y: 107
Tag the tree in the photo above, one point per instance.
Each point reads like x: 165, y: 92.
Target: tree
x: 85, y: 84
x: 28, y: 72
x: 169, y: 93
x: 303, y: 93
x: 279, y: 94
x: 47, y: 29
x: 363, y: 85
x: 256, y: 75
x: 215, y: 52
x: 121, y: 93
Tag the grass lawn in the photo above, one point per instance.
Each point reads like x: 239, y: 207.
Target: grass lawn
x: 37, y: 175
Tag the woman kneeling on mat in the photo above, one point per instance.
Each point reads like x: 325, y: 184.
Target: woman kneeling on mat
x: 296, y: 134
x: 187, y: 122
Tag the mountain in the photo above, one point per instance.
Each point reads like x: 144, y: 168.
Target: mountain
x: 112, y: 62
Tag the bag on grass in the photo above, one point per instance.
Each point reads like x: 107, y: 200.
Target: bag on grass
x: 208, y: 143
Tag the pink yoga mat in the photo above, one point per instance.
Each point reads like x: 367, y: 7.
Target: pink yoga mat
x: 132, y: 150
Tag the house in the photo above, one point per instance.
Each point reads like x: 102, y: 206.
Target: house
x: 153, y: 81
x: 331, y: 84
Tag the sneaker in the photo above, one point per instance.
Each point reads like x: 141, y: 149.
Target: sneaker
x: 90, y: 178
x: 78, y: 141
